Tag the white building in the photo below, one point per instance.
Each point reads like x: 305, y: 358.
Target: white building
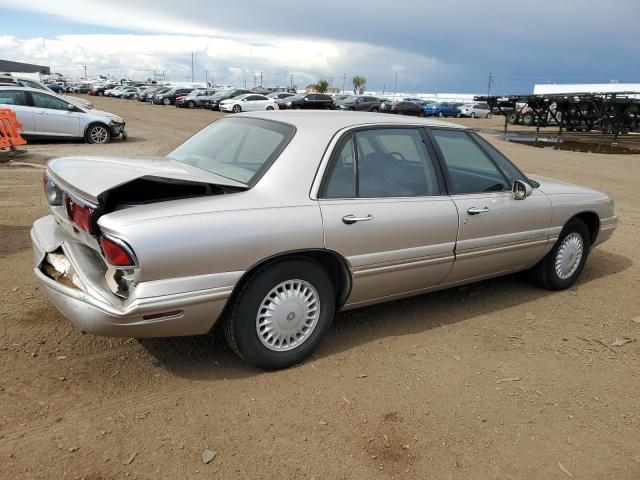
x: 559, y: 88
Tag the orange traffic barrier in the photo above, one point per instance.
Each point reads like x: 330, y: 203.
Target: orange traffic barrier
x: 10, y: 129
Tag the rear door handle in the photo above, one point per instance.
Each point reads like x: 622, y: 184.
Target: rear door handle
x: 477, y: 210
x: 351, y: 219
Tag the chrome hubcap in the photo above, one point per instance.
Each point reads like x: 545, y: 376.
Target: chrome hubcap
x: 287, y: 316
x: 99, y: 134
x: 569, y: 255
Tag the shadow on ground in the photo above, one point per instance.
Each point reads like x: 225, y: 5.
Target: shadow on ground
x: 196, y: 357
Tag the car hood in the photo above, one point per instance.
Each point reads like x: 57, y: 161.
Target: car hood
x: 110, y: 116
x: 91, y: 177
x: 552, y: 186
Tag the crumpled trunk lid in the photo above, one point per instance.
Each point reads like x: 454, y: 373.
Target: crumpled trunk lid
x: 92, y: 177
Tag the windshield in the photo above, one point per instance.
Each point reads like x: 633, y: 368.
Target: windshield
x: 240, y: 149
x: 350, y: 99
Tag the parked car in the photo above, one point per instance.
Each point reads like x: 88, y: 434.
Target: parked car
x: 402, y: 107
x: 315, y: 101
x: 360, y: 103
x: 195, y: 98
x: 98, y: 90
x: 45, y: 114
x: 214, y: 102
x: 169, y: 97
x: 114, y: 92
x: 280, y: 97
x: 26, y: 82
x: 441, y: 109
x: 57, y: 87
x: 249, y: 102
x: 475, y: 110
x: 128, y: 92
x: 296, y: 241
x: 147, y: 94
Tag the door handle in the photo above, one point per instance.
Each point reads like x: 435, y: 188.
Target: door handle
x: 351, y: 219
x: 477, y: 210
x: 40, y: 112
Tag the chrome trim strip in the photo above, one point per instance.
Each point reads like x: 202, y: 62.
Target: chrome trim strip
x: 404, y: 265
x: 497, y: 249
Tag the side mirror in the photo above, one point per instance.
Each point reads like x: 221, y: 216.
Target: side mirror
x: 70, y: 107
x: 521, y: 190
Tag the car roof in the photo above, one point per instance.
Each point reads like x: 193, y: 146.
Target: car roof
x: 333, y: 121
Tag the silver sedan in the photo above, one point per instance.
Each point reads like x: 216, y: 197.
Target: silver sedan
x: 269, y: 223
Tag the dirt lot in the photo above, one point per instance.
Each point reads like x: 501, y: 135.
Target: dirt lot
x: 498, y: 380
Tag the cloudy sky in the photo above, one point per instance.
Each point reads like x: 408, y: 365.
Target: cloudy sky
x: 443, y: 46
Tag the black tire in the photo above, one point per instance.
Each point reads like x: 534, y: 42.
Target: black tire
x: 269, y: 107
x: 297, y: 107
x: 240, y: 324
x: 473, y: 114
x: 191, y: 104
x: 458, y: 115
x: 441, y: 114
x: 422, y: 114
x: 528, y: 120
x: 100, y: 94
x: 166, y: 101
x: 98, y: 133
x: 544, y: 272
x: 375, y: 109
x: 236, y: 109
x: 513, y: 119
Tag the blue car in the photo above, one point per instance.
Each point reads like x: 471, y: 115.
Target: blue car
x: 443, y: 109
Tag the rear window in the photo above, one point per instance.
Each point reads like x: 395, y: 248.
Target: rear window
x: 12, y: 97
x: 240, y: 149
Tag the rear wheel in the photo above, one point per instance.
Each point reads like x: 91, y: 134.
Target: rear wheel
x: 564, y: 263
x: 98, y: 134
x: 281, y: 313
x: 191, y: 104
x: 528, y: 119
x: 269, y: 107
x: 375, y: 109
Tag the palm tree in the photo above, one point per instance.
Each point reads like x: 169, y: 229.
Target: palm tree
x: 321, y: 86
x: 359, y: 83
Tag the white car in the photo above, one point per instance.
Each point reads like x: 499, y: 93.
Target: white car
x: 475, y: 110
x: 44, y: 114
x: 249, y: 102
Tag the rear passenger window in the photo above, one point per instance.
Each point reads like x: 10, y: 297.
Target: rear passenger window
x: 342, y: 177
x: 12, y: 97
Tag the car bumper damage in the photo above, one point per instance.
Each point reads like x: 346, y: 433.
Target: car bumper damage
x: 75, y: 278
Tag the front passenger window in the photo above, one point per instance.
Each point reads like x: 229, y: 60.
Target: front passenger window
x: 470, y: 170
x: 42, y: 100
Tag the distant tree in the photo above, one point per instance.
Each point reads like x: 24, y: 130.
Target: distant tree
x: 321, y: 86
x: 359, y: 82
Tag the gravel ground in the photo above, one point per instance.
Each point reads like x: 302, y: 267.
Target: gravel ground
x: 497, y: 380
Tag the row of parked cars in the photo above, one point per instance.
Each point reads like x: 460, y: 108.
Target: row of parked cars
x: 242, y: 100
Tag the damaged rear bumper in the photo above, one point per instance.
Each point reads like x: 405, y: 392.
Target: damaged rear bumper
x: 83, y: 296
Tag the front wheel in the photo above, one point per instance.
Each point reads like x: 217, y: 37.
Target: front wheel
x: 564, y: 263
x: 191, y: 104
x: 281, y: 313
x: 98, y: 134
x: 167, y: 101
x: 269, y: 107
x: 237, y: 109
x: 441, y: 114
x: 473, y: 114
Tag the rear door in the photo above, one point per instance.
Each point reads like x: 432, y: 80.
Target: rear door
x: 51, y: 116
x: 497, y: 233
x: 16, y: 100
x: 384, y: 209
x: 256, y: 102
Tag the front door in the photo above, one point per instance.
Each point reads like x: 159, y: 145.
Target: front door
x: 384, y: 210
x: 51, y: 116
x: 497, y: 233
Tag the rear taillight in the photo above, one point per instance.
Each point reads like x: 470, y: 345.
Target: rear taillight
x: 116, y: 252
x: 80, y: 214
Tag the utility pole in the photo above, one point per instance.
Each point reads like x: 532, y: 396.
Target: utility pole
x: 490, y: 82
x: 384, y: 87
x: 344, y: 82
x: 395, y: 86
x: 192, y: 66
x: 291, y: 81
x: 85, y: 72
x: 261, y: 78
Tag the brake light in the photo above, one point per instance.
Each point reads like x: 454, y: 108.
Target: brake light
x: 116, y: 253
x: 80, y: 214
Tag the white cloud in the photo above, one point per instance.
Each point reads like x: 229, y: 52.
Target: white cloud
x: 228, y: 60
